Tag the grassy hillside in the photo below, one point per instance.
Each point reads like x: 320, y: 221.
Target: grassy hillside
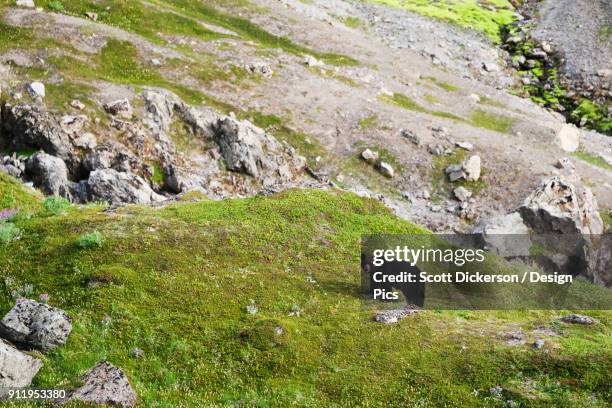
x: 176, y: 283
x: 485, y: 16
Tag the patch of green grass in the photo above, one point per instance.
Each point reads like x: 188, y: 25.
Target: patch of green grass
x: 248, y: 30
x: 596, y: 115
x: 606, y: 216
x: 56, y: 205
x: 131, y: 15
x: 593, y: 159
x: 159, y: 175
x: 176, y: 282
x: 486, y: 16
x: 353, y: 22
x: 408, y: 103
x: 55, y: 5
x: 432, y: 99
x: 14, y: 195
x: 369, y: 122
x: 442, y: 84
x: 14, y: 37
x: 485, y: 100
x: 8, y: 232
x: 495, y: 122
x: 306, y: 145
x: 90, y: 240
x: 61, y: 94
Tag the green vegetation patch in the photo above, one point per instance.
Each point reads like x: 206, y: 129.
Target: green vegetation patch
x: 248, y: 30
x: 14, y: 195
x: 136, y: 17
x: 306, y: 145
x: 491, y: 121
x: 255, y: 302
x: 408, y: 103
x: 442, y: 84
x: 486, y: 16
x: 593, y: 159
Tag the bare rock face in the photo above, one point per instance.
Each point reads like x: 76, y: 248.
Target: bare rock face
x: 17, y: 369
x: 49, y: 173
x: 116, y: 188
x: 248, y: 149
x: 558, y: 206
x: 32, y: 127
x: 35, y: 325
x: 105, y: 384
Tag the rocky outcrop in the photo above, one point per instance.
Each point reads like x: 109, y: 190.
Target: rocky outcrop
x: 248, y: 149
x: 49, y: 173
x: 35, y: 325
x: 33, y: 127
x: 17, y: 369
x: 558, y: 206
x: 105, y: 384
x: 115, y: 188
x: 506, y: 235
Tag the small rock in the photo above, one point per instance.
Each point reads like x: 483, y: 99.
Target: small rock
x: 490, y: 66
x: 311, y: 61
x: 426, y: 195
x: 578, y: 319
x: 137, y: 353
x: 568, y: 138
x: 514, y: 337
x: 259, y: 68
x: 17, y: 369
x: 37, y: 89
x: 462, y: 193
x: 469, y: 170
x: 539, y: 344
x: 465, y: 146
x: 120, y: 108
x: 394, y: 315
x: 386, y: 170
x: 564, y: 163
x: 411, y: 136
x: 92, y: 16
x: 35, y: 325
x: 369, y: 156
x: 49, y: 173
x: 474, y: 97
x: 105, y: 384
x: 25, y: 3
x: 546, y: 47
x: 76, y: 104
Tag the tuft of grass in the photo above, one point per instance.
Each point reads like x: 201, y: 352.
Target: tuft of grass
x: 369, y: 122
x: 442, y: 84
x: 408, y: 103
x: 13, y: 194
x: 56, y: 205
x: 495, y: 122
x: 90, y: 240
x: 593, y: 159
x: 8, y: 232
x: 55, y: 5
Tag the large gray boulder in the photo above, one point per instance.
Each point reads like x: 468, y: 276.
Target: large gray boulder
x: 116, y: 188
x: 35, y: 325
x: 49, y: 173
x: 558, y: 206
x: 17, y: 369
x: 248, y: 149
x: 105, y: 384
